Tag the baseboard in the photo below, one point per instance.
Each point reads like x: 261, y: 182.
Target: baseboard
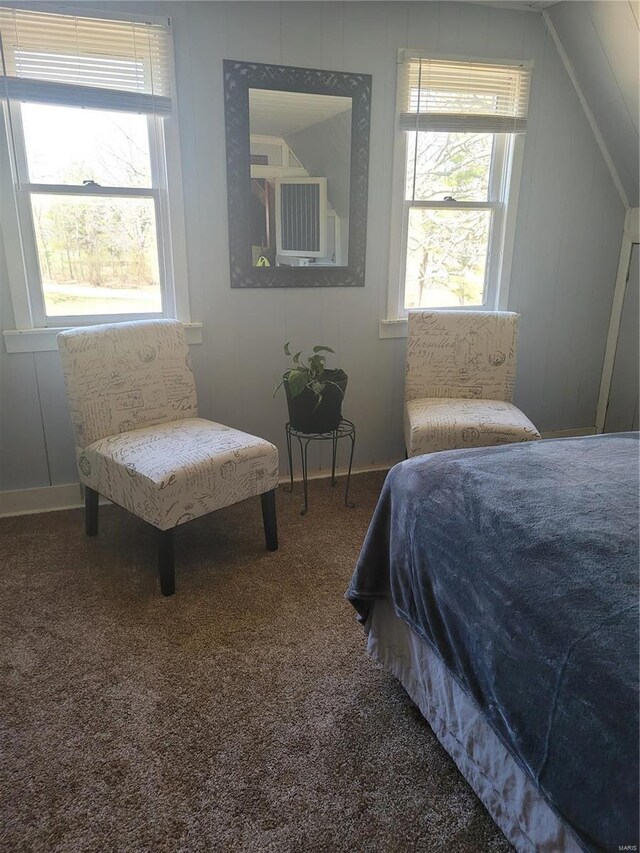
x: 569, y: 433
x: 323, y: 474
x: 54, y: 498
x: 68, y: 496
x: 43, y: 499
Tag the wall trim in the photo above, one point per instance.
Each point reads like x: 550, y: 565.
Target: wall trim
x: 569, y: 433
x: 630, y: 237
x: 43, y: 499
x: 44, y: 339
x: 68, y: 496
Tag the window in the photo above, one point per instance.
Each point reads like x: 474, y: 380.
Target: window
x: 88, y: 104
x: 93, y: 211
x: 457, y: 139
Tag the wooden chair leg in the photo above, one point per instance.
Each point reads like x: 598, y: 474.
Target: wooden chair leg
x: 269, y: 518
x: 166, y: 561
x: 91, y: 511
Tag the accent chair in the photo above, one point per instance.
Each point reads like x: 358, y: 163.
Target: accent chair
x: 460, y: 373
x: 140, y: 442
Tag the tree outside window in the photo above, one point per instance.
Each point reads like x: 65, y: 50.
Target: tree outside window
x: 447, y: 246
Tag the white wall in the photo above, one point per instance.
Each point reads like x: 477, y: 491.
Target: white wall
x: 569, y: 229
x: 602, y: 41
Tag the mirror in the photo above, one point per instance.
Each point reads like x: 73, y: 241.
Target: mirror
x: 299, y: 156
x: 297, y: 171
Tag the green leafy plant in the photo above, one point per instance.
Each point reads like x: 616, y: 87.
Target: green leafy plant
x: 307, y: 372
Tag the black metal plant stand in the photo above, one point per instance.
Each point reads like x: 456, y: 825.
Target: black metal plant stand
x: 345, y: 429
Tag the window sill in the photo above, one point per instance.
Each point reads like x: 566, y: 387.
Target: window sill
x: 44, y: 340
x: 393, y: 328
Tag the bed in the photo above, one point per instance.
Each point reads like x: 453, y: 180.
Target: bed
x: 500, y: 586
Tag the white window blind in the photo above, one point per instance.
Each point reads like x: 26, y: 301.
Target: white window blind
x: 83, y: 61
x: 463, y: 96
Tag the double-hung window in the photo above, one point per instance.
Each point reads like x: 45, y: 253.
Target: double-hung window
x: 459, y: 131
x: 87, y: 101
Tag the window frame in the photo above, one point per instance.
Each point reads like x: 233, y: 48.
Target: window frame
x: 504, y: 186
x: 34, y: 331
x: 26, y: 189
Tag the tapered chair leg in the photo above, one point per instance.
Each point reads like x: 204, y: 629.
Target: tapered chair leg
x: 91, y: 511
x: 269, y: 518
x: 166, y: 561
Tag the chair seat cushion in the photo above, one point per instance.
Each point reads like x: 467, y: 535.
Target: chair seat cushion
x: 432, y: 424
x: 173, y: 472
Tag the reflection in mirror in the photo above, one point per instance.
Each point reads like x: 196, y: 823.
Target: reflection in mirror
x: 300, y: 150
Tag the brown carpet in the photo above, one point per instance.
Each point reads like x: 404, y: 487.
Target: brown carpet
x: 240, y: 715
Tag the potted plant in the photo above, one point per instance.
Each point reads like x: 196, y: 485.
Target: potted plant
x: 314, y: 393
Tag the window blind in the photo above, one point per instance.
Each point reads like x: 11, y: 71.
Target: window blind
x: 87, y: 62
x: 463, y: 96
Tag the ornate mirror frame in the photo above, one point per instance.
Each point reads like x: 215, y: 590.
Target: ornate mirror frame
x: 239, y: 77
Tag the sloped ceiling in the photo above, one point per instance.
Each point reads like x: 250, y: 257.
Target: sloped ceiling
x: 280, y: 113
x: 602, y: 40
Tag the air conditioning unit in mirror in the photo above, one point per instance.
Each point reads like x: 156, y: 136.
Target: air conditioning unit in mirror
x: 301, y: 217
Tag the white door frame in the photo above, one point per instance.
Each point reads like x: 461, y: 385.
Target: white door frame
x: 630, y: 237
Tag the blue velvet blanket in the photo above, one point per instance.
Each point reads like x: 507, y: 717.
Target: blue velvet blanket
x: 519, y: 565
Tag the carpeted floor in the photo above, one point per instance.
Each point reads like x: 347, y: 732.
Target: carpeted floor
x: 240, y: 715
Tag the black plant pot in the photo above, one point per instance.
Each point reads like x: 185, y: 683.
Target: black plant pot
x: 327, y: 415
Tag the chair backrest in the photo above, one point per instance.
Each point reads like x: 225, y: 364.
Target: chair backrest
x: 124, y: 376
x: 461, y: 354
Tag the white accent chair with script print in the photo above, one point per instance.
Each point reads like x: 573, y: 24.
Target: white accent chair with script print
x: 140, y: 442
x: 461, y: 367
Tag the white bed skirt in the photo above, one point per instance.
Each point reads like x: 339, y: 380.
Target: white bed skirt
x: 507, y: 792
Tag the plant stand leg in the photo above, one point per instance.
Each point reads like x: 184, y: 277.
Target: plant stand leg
x: 287, y: 430
x: 346, y: 492
x: 333, y: 460
x: 166, y: 561
x: 91, y: 511
x: 268, y: 500
x: 303, y: 454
